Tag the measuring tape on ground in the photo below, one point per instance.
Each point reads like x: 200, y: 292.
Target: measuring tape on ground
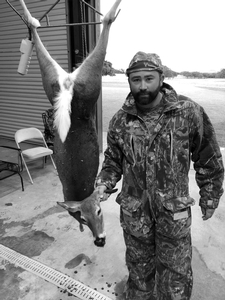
x: 59, y: 279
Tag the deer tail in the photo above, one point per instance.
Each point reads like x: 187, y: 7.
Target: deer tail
x: 62, y: 106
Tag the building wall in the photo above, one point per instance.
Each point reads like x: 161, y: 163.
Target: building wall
x: 22, y: 97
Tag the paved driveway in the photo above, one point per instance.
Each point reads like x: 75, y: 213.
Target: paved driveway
x: 32, y: 224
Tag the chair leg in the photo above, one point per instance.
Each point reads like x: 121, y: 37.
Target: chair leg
x: 21, y: 178
x: 53, y: 161
x: 44, y: 161
x: 27, y: 170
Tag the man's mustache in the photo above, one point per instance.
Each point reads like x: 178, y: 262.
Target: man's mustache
x: 143, y: 94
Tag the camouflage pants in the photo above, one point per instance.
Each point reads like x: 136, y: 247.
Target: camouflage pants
x: 158, y: 256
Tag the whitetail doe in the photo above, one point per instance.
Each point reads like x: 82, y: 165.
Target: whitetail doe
x: 74, y: 96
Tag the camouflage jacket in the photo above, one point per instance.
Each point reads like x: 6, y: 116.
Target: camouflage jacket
x: 155, y: 166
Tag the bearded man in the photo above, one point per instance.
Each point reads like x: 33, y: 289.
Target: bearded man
x: 151, y: 142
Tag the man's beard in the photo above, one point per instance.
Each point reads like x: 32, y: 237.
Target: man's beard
x: 145, y: 98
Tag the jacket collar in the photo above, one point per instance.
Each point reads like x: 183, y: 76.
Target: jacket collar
x: 170, y: 100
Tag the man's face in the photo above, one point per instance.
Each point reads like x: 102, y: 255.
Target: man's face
x: 145, y: 86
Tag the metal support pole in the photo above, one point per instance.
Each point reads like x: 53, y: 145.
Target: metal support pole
x: 47, y: 18
x: 91, y: 7
x: 72, y: 24
x: 45, y: 14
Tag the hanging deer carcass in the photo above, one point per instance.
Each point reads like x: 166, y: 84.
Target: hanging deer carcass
x: 74, y: 96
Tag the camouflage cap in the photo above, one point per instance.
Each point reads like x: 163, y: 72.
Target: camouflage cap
x: 145, y: 62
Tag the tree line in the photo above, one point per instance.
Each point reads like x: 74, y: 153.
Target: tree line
x: 109, y: 70
x: 220, y: 74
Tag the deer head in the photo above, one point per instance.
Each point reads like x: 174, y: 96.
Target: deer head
x: 88, y: 212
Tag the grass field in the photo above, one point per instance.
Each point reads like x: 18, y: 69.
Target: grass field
x: 209, y: 93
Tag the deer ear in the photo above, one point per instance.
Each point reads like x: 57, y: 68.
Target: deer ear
x: 71, y: 206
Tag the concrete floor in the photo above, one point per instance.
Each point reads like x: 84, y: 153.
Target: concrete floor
x: 32, y: 224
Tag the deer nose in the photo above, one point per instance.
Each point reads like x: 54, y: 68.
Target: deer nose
x: 100, y: 241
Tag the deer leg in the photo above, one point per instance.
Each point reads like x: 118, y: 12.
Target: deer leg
x: 90, y: 71
x: 57, y: 83
x: 51, y: 71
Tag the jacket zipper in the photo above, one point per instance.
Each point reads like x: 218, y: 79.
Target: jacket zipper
x: 147, y: 147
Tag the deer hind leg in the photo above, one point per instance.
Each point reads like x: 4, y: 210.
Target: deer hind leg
x: 90, y: 72
x: 109, y: 18
x: 57, y: 83
x: 50, y: 69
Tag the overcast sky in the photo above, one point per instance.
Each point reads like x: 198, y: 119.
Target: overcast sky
x: 188, y: 35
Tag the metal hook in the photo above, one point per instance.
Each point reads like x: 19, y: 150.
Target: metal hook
x: 117, y: 15
x: 17, y: 12
x: 46, y: 14
x: 57, y: 1
x: 71, y: 24
x: 91, y: 7
x: 29, y: 30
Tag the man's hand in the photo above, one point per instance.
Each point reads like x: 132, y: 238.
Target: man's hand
x: 207, y: 213
x: 101, y: 191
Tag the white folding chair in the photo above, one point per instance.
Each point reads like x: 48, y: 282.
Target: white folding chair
x: 35, y: 152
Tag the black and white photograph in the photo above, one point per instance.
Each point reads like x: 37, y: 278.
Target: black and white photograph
x: 112, y: 150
